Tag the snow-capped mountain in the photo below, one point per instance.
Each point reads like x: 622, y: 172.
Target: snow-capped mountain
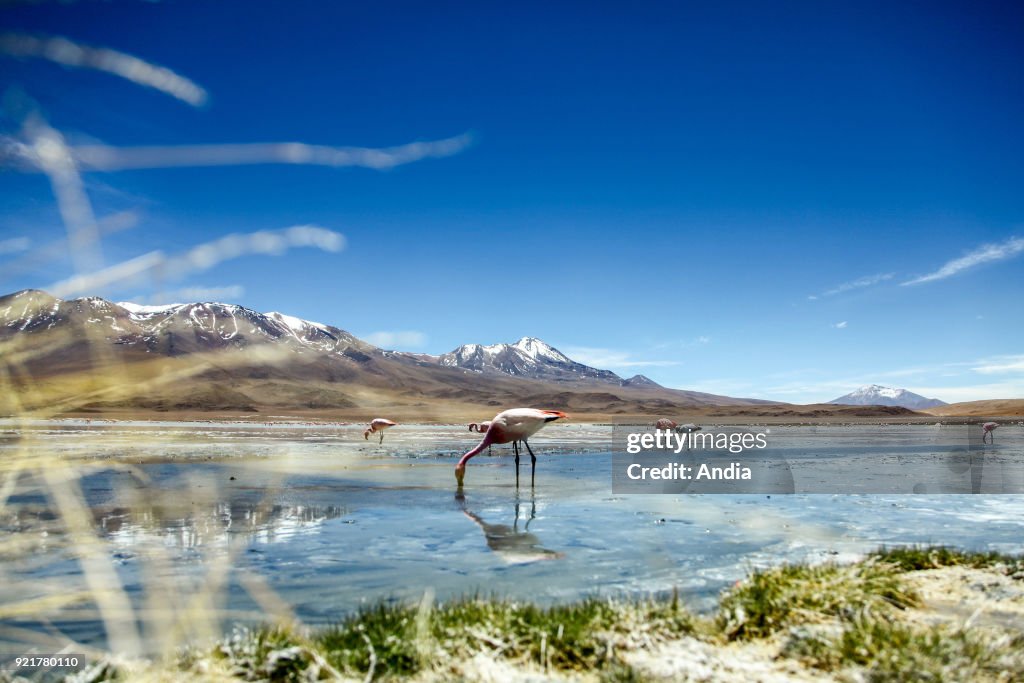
x: 171, y: 330
x: 876, y: 395
x: 94, y: 354
x: 528, y: 357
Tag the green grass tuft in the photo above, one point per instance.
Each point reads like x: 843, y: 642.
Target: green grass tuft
x: 912, y: 558
x: 834, y: 617
x: 773, y: 600
x: 381, y: 637
x: 577, y: 636
x: 264, y: 654
x: 889, y: 651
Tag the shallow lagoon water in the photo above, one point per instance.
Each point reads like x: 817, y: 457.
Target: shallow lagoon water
x: 330, y: 522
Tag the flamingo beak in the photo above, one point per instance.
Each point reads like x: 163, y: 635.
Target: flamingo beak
x: 460, y: 474
x: 366, y: 435
x: 554, y: 415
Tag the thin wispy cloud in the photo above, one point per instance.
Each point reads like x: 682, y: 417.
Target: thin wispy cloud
x: 56, y: 250
x: 15, y: 245
x: 52, y: 157
x: 611, y: 358
x: 824, y: 390
x: 409, y: 339
x: 738, y: 388
x: 69, y: 53
x: 972, y: 392
x: 200, y: 258
x: 951, y: 381
x: 269, y: 242
x: 986, y: 253
x: 1000, y: 364
x: 859, y: 283
x: 840, y: 325
x: 110, y: 158
x: 700, y: 340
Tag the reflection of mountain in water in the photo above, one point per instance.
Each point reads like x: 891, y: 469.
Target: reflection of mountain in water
x: 213, y: 524
x: 508, y: 542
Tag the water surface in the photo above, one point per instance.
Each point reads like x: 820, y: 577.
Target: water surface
x: 327, y: 521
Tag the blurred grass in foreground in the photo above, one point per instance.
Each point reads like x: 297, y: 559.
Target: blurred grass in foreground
x: 860, y: 621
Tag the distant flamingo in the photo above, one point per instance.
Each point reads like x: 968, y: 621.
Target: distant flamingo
x: 378, y: 425
x: 665, y: 423
x: 511, y: 426
x: 987, y: 430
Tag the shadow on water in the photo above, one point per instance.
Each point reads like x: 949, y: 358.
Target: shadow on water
x: 512, y: 545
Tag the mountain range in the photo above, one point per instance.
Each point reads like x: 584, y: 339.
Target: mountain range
x: 91, y: 354
x: 877, y: 395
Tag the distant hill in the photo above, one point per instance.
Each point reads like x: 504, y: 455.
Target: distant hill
x: 877, y: 395
x: 999, y: 407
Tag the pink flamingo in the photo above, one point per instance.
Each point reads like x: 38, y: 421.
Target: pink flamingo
x: 987, y: 429
x: 378, y: 424
x: 511, y: 426
x: 665, y: 423
x: 481, y: 428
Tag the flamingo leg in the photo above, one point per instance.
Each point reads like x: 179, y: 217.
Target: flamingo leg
x: 381, y: 437
x: 533, y: 463
x: 515, y: 449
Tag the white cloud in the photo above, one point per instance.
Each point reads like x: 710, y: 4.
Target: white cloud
x: 138, y: 71
x: 108, y: 158
x: 999, y: 364
x: 118, y: 274
x: 14, y: 245
x: 841, y: 325
x: 409, y: 339
x: 700, y: 340
x: 954, y: 381
x: 737, y: 388
x: 986, y: 253
x: 200, y: 258
x: 812, y: 392
x: 610, y: 358
x: 859, y: 283
x: 973, y: 392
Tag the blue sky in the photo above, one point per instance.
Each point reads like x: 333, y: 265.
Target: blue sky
x: 779, y: 200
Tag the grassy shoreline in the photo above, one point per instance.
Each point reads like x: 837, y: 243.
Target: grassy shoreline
x: 884, y: 618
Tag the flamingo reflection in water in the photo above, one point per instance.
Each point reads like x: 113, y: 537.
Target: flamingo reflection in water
x: 512, y: 545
